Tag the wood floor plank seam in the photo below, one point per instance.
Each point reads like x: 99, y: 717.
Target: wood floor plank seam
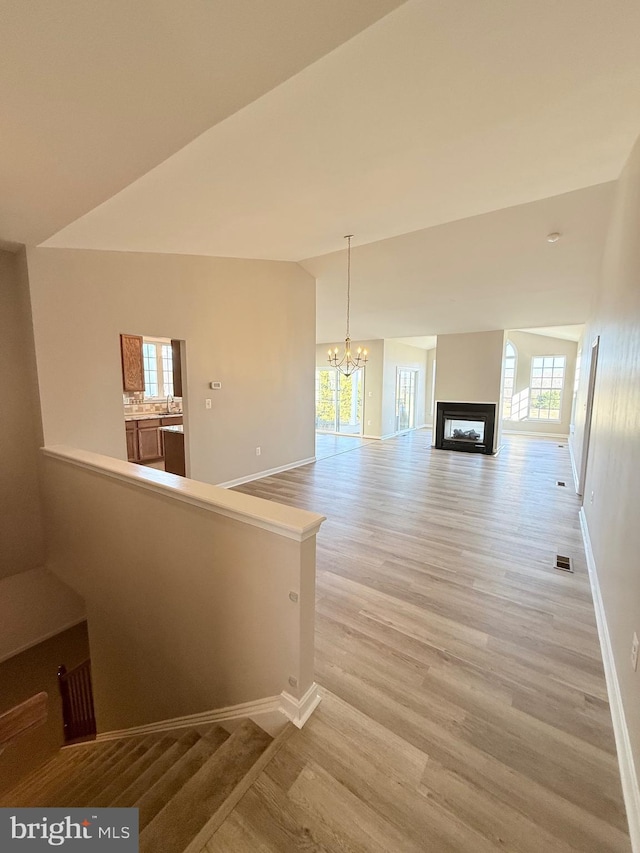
x: 444, y: 634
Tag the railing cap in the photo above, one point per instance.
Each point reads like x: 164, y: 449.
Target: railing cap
x: 291, y: 522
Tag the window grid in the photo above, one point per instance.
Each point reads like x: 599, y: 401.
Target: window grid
x: 150, y: 370
x: 547, y: 383
x: 167, y: 369
x: 158, y: 369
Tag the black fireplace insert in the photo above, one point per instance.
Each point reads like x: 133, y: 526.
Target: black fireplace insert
x: 469, y: 427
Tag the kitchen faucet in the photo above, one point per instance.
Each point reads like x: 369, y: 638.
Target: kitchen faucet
x: 169, y: 402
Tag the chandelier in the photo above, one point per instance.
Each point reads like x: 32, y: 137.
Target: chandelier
x: 349, y: 362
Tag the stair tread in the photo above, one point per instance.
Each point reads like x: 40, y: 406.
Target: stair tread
x: 87, y: 790
x: 87, y: 773
x: 144, y: 781
x: 130, y: 772
x: 155, y: 799
x: 64, y: 762
x: 198, y: 800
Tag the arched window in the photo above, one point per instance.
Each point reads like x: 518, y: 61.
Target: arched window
x: 508, y: 380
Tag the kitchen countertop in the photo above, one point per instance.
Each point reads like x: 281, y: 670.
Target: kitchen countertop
x: 174, y: 428
x: 152, y: 416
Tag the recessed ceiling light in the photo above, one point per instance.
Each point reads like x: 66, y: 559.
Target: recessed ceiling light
x: 553, y: 237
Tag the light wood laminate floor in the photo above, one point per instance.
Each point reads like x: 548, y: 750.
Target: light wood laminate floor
x: 465, y: 705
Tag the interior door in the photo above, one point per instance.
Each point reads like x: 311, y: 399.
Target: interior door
x: 588, y: 416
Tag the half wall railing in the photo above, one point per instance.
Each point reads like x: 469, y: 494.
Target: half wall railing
x: 198, y: 598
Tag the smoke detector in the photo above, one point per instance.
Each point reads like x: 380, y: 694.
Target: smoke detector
x: 553, y: 237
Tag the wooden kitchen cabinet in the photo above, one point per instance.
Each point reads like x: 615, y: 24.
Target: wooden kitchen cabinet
x: 145, y: 440
x: 149, y: 447
x: 130, y: 427
x: 132, y: 363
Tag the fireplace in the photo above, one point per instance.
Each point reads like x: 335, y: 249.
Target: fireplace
x: 469, y: 427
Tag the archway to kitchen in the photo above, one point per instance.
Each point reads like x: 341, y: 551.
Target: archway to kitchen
x: 154, y: 400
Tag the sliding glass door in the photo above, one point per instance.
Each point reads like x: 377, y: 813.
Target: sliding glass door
x: 338, y: 401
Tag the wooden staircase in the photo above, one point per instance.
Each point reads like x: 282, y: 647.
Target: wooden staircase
x: 184, y: 782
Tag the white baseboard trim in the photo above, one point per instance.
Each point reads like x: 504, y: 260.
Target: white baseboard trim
x: 299, y: 710
x: 268, y: 473
x: 628, y: 774
x: 296, y: 710
x: 560, y: 435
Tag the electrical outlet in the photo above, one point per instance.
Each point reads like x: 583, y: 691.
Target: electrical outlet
x: 258, y: 451
x: 207, y: 404
x: 591, y: 498
x: 634, y: 651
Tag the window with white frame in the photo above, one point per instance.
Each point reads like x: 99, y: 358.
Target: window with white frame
x: 508, y: 380
x: 547, y: 384
x: 158, y: 368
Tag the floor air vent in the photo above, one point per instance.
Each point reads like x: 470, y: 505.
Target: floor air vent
x: 560, y: 483
x: 563, y: 563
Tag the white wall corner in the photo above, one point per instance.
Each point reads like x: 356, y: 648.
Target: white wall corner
x: 628, y: 774
x: 299, y: 710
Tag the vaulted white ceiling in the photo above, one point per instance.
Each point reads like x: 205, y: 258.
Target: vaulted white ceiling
x: 270, y: 130
x: 95, y: 93
x: 494, y: 271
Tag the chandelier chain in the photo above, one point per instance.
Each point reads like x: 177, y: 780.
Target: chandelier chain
x: 348, y: 363
x: 348, y: 282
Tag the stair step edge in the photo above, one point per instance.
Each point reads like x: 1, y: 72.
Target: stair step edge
x: 202, y: 838
x: 248, y: 736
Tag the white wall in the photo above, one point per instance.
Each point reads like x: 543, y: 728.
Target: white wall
x: 429, y: 411
x: 469, y: 370
x: 613, y: 473
x: 527, y: 346
x: 21, y: 542
x: 470, y: 367
x: 249, y: 324
x: 199, y: 616
x: 33, y: 604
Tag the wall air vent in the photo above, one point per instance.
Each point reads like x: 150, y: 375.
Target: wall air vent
x: 563, y: 563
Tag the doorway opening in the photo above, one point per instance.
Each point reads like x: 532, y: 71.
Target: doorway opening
x: 153, y: 401
x: 406, y: 384
x: 339, y: 401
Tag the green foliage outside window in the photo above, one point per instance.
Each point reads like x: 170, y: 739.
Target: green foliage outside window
x: 547, y: 400
x: 326, y: 399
